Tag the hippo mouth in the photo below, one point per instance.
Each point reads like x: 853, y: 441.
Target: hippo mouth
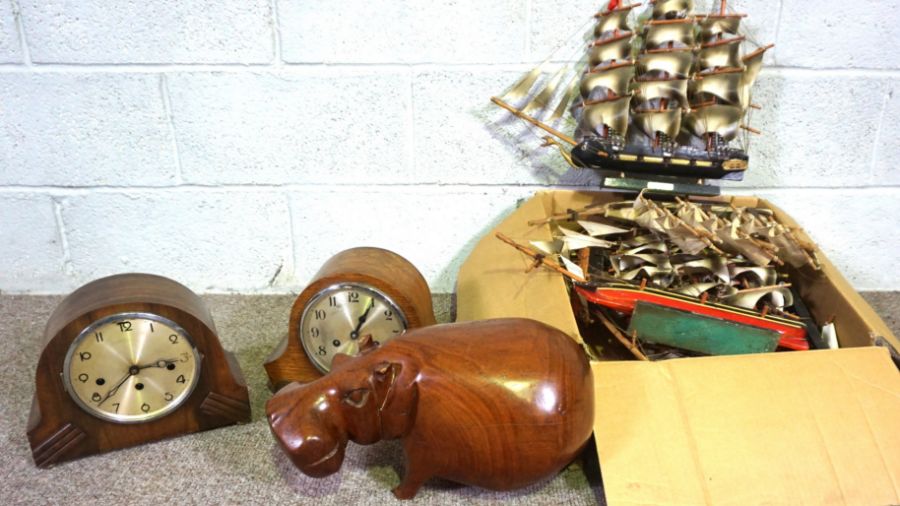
x: 328, y: 464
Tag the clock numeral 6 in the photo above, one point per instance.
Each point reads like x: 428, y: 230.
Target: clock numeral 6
x: 84, y: 355
x: 96, y: 397
x: 145, y: 407
x: 388, y: 315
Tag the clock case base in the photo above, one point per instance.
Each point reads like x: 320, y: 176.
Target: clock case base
x: 378, y: 268
x: 59, y: 430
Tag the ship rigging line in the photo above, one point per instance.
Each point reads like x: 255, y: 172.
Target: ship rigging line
x: 519, y: 114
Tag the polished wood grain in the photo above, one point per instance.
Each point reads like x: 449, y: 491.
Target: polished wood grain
x: 59, y: 430
x: 498, y: 404
x: 384, y: 270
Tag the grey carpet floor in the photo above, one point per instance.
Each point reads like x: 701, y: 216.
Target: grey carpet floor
x: 240, y: 464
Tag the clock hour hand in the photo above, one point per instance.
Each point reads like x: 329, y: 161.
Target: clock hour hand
x: 362, y: 319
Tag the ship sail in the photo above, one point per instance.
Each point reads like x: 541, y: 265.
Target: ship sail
x: 615, y: 78
x: 666, y: 9
x: 723, y: 120
x: 725, y: 53
x: 714, y: 27
x: 669, y: 33
x: 612, y: 114
x: 669, y: 62
x: 675, y: 90
x: 667, y: 122
x: 612, y: 49
x: 723, y: 86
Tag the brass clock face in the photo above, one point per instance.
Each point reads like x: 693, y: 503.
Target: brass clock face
x: 336, y: 318
x: 131, y: 367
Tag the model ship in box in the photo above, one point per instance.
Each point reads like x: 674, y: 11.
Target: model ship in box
x: 666, y: 94
x: 683, y: 274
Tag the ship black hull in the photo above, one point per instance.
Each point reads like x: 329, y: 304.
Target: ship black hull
x: 644, y: 162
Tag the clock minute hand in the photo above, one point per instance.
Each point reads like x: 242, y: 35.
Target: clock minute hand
x: 362, y: 319
x: 113, y: 390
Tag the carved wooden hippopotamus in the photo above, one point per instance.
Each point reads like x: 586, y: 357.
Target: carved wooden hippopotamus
x: 498, y: 404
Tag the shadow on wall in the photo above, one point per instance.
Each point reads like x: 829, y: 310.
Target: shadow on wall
x: 527, y: 144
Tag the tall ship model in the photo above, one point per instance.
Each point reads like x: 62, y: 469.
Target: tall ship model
x: 666, y: 93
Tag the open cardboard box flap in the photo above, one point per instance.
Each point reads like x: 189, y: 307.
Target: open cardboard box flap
x: 819, y: 427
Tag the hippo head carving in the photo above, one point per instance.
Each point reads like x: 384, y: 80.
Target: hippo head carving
x: 362, y: 399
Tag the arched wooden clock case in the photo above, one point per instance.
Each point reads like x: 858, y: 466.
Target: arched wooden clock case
x: 374, y: 270
x: 61, y: 430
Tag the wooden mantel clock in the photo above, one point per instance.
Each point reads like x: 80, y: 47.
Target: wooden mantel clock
x: 129, y: 359
x: 358, y: 292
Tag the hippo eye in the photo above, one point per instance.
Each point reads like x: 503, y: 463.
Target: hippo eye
x: 356, y: 398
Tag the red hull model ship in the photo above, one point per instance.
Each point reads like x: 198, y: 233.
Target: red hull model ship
x: 663, y: 94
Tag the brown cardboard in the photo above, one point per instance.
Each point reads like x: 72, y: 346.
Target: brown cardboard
x: 711, y: 430
x: 813, y: 428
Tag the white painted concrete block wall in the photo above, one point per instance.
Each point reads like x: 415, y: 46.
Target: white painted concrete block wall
x: 236, y: 144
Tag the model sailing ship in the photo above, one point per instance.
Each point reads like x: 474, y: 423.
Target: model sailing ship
x: 666, y: 98
x: 712, y: 260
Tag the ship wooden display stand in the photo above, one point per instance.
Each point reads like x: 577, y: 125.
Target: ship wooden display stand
x: 373, y: 269
x: 59, y: 429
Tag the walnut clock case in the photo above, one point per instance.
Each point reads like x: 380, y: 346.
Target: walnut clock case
x: 358, y: 292
x: 129, y: 359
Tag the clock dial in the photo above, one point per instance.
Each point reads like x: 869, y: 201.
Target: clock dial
x: 337, y: 318
x: 131, y: 367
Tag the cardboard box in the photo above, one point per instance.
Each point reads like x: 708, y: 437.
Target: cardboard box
x: 817, y: 427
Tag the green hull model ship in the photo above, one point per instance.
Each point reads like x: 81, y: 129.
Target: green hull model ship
x: 661, y: 95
